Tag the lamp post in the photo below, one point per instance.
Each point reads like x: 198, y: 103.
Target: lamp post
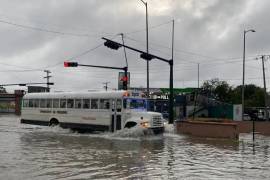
x: 243, y: 82
x: 147, y: 48
x: 244, y: 59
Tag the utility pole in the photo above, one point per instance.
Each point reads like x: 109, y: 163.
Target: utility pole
x: 198, y: 75
x: 48, y: 79
x: 266, y: 115
x: 171, y: 96
x: 106, y: 85
x: 147, y: 47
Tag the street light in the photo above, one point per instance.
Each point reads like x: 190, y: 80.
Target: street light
x: 147, y: 48
x: 243, y: 83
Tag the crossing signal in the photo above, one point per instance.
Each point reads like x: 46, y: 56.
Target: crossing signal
x: 112, y: 45
x: 70, y: 64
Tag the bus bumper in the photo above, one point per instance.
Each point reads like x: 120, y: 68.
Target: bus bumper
x: 156, y: 130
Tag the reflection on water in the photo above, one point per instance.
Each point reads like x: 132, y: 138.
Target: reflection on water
x: 35, y: 152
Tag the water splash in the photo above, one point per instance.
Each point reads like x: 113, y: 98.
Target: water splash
x: 130, y: 134
x: 169, y: 128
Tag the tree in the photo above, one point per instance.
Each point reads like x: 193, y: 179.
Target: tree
x: 254, y: 96
x: 219, y: 90
x: 222, y: 91
x: 2, y: 90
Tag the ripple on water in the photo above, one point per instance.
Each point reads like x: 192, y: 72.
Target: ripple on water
x: 36, y: 152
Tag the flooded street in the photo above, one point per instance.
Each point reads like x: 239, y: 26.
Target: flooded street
x: 37, y: 152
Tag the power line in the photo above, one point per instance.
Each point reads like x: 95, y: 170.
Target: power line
x: 188, y: 52
x: 46, y: 30
x: 9, y: 18
x: 22, y: 67
x: 76, y: 56
x: 151, y: 27
x: 137, y: 69
x: 70, y: 34
x: 50, y: 66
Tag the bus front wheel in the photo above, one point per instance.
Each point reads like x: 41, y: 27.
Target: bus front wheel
x: 53, y: 122
x: 130, y: 124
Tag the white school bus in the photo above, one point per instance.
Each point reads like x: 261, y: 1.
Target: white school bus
x: 91, y: 111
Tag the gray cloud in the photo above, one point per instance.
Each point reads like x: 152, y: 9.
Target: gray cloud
x: 208, y: 32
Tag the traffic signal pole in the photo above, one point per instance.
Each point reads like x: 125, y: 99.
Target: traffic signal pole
x: 125, y: 69
x: 147, y: 56
x: 171, y: 99
x: 25, y: 84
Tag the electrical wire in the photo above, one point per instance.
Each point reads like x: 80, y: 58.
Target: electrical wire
x: 212, y: 59
x: 46, y: 30
x: 151, y: 27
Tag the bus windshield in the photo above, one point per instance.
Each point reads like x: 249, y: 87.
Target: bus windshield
x: 136, y: 104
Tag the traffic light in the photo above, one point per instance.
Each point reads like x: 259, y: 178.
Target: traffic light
x: 125, y: 82
x: 112, y: 45
x: 146, y: 56
x: 70, y: 64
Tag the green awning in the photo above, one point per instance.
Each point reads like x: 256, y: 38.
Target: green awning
x: 178, y: 90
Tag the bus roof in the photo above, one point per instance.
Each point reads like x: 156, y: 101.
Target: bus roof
x: 74, y: 95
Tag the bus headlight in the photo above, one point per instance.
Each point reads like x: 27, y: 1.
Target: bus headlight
x: 145, y: 124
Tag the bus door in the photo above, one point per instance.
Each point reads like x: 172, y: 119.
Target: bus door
x: 116, y: 120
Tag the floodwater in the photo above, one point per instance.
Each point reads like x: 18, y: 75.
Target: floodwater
x: 37, y: 152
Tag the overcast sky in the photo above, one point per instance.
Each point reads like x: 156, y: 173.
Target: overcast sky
x: 37, y: 35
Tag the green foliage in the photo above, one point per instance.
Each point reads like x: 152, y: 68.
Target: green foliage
x: 219, y: 90
x: 2, y: 89
x: 222, y: 91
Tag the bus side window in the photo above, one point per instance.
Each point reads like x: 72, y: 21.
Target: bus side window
x: 36, y: 103
x: 26, y: 103
x: 70, y: 103
x: 78, y: 103
x: 94, y: 103
x: 30, y: 103
x: 104, y: 104
x: 107, y: 104
x: 86, y: 103
x: 63, y: 103
x: 42, y: 103
x: 49, y: 103
x: 55, y: 103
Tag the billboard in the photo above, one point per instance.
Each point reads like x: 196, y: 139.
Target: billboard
x: 121, y: 75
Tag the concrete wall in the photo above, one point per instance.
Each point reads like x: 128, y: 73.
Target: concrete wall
x: 208, y: 129
x: 262, y: 127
